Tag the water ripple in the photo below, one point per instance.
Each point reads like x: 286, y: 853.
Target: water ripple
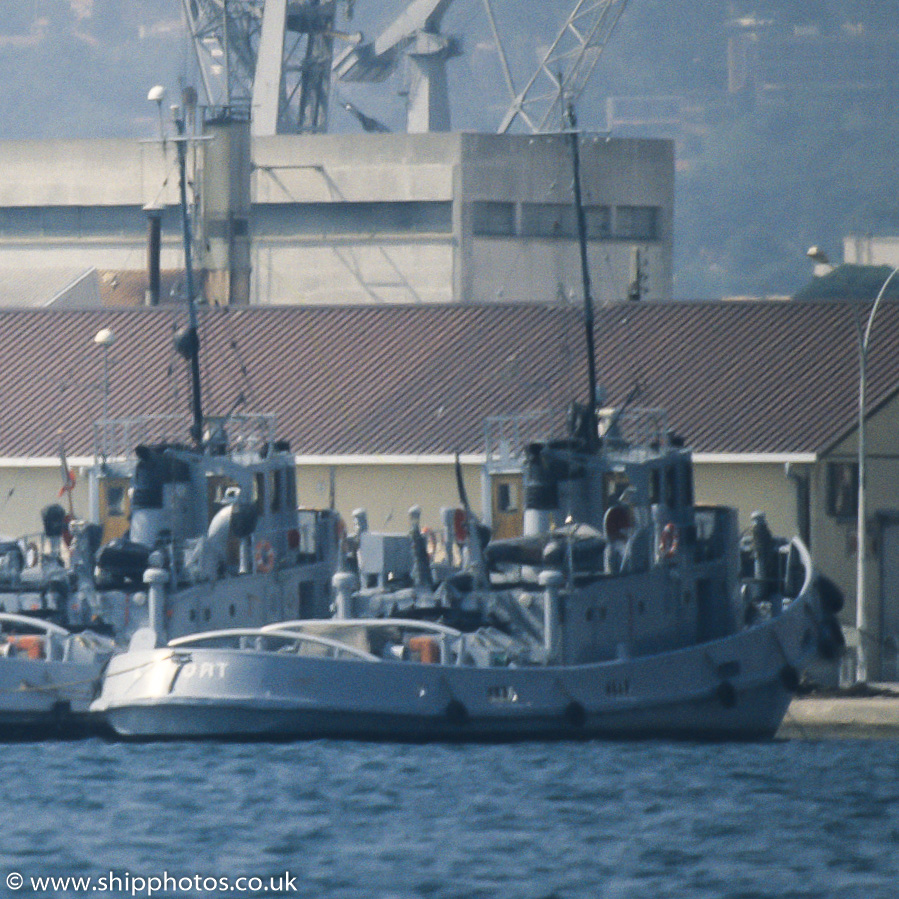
x: 598, y: 820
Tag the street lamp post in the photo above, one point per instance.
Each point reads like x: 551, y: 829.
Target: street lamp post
x: 105, y: 338
x: 861, y: 611
x: 861, y: 607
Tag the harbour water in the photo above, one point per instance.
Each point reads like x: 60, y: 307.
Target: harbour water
x: 327, y: 819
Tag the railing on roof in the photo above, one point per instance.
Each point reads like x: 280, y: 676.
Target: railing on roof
x: 637, y: 426
x: 116, y: 438
x: 506, y: 436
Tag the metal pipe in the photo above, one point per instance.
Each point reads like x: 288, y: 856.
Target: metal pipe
x: 551, y: 581
x: 154, y: 247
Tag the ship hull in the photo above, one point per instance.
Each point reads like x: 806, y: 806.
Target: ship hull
x: 737, y: 688
x: 41, y: 698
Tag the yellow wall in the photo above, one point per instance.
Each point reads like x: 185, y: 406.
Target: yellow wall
x: 25, y: 491
x: 748, y: 488
x: 387, y: 492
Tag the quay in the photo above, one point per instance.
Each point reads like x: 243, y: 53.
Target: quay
x: 843, y: 715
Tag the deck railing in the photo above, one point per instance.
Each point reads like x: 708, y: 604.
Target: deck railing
x: 506, y: 436
x: 116, y: 438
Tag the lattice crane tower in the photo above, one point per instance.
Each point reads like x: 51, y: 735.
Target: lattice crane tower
x: 269, y: 56
x: 276, y: 58
x: 565, y: 68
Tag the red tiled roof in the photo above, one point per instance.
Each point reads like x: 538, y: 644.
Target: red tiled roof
x: 754, y: 377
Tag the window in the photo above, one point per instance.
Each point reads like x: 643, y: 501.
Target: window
x: 118, y: 220
x: 493, y: 219
x: 614, y: 485
x: 276, y: 491
x: 259, y: 492
x: 290, y: 488
x: 599, y: 221
x: 20, y: 220
x: 506, y: 500
x: 842, y: 489
x: 671, y: 486
x: 655, y: 486
x: 115, y: 499
x: 220, y: 490
x: 548, y: 220
x: 62, y: 220
x: 401, y: 217
x: 688, y: 484
x: 637, y: 222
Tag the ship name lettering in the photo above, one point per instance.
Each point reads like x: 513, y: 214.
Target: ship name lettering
x: 205, y: 669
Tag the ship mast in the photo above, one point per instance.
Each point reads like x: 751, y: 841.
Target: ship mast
x: 574, y: 136
x: 189, y: 341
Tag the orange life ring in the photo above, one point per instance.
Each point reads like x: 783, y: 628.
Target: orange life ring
x: 31, y: 645
x: 668, y: 540
x: 264, y: 557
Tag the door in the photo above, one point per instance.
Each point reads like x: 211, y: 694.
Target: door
x: 114, y: 507
x: 507, y: 507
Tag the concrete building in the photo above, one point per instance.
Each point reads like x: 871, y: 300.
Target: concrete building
x: 867, y: 249
x: 385, y: 218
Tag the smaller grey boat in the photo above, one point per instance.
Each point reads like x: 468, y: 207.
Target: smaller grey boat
x: 51, y: 652
x: 48, y: 677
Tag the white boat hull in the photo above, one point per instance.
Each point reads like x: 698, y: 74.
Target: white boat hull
x: 46, y: 698
x: 736, y: 687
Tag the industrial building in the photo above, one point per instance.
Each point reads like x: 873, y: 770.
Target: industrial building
x: 384, y: 218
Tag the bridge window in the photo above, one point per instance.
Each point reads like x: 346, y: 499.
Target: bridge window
x: 614, y: 485
x: 276, y: 491
x: 671, y: 486
x: 655, y: 486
